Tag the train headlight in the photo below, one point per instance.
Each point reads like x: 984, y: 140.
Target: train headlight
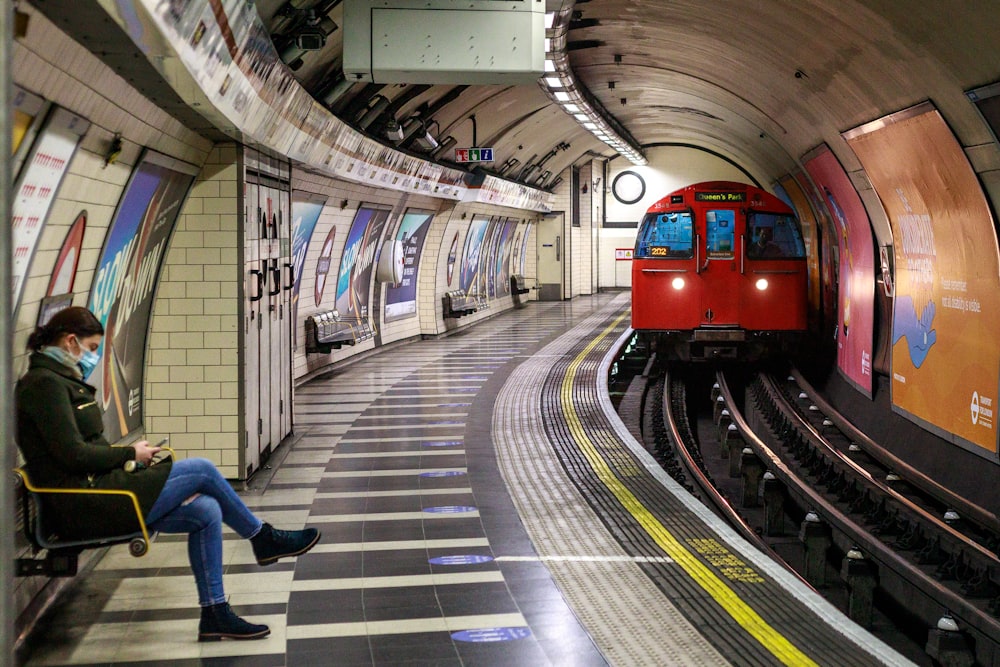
x: 677, y: 283
x: 761, y: 284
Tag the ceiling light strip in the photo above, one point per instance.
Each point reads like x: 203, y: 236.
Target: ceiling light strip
x: 562, y: 87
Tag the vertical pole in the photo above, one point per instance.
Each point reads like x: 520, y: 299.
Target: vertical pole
x: 6, y: 336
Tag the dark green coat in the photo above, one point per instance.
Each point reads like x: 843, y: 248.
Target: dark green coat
x: 61, y: 435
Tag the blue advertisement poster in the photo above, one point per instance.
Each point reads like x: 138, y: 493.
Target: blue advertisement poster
x: 468, y: 277
x: 127, y: 271
x: 503, y: 257
x: 488, y: 258
x: 401, y: 299
x: 354, y: 278
x: 306, y: 209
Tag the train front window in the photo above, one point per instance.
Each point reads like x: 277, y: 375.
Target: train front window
x: 719, y: 234
x: 774, y: 236
x: 665, y: 236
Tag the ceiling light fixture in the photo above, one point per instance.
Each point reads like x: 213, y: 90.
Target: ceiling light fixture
x: 569, y: 93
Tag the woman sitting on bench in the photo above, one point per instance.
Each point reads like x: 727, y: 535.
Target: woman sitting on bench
x: 60, y: 434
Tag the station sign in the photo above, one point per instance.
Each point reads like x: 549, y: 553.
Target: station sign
x: 473, y: 155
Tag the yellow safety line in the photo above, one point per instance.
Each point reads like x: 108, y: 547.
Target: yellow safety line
x: 727, y: 598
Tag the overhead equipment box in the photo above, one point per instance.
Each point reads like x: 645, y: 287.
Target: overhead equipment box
x: 444, y: 41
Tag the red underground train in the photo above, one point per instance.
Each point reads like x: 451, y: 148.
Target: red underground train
x: 719, y: 273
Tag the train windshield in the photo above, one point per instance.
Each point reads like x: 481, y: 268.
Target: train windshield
x: 665, y: 236
x: 774, y: 236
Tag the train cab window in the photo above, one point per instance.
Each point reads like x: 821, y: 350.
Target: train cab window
x: 774, y: 236
x: 719, y: 234
x: 665, y: 236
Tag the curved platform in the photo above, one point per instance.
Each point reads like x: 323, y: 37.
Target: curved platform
x: 480, y: 503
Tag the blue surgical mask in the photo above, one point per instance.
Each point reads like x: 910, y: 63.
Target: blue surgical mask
x: 88, y: 362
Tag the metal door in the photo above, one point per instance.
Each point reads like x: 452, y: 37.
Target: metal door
x: 550, y: 236
x: 720, y: 269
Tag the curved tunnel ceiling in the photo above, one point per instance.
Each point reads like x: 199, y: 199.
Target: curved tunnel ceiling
x: 758, y: 83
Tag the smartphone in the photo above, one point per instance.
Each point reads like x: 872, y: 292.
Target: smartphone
x: 162, y: 443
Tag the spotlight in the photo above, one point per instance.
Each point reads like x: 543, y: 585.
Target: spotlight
x: 393, y: 131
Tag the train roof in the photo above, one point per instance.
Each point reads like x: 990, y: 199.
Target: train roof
x: 721, y: 192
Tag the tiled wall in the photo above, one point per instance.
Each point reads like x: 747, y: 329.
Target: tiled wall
x: 192, y: 369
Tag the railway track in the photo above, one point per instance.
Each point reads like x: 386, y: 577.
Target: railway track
x: 901, y: 555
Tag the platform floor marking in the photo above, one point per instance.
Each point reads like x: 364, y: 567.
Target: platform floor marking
x: 583, y: 559
x: 728, y: 599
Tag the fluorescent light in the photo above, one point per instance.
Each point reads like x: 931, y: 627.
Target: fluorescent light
x: 549, y: 18
x: 548, y: 45
x: 562, y: 96
x: 590, y: 126
x: 550, y: 66
x: 572, y: 108
x: 553, y: 82
x: 581, y: 117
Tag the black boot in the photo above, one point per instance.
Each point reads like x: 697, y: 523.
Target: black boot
x: 219, y: 620
x: 270, y: 544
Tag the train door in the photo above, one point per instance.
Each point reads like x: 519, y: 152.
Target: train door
x: 550, y: 235
x: 720, y: 267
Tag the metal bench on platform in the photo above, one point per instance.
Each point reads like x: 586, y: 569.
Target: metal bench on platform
x: 329, y: 331
x: 517, y: 285
x: 457, y: 303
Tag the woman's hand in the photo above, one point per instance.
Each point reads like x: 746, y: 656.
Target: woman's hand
x: 144, y: 452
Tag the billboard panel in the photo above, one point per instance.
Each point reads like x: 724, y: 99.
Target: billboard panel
x: 946, y: 313
x: 856, y: 290
x: 306, y: 209
x: 127, y: 272
x: 792, y: 194
x: 469, y: 274
x: 401, y: 299
x: 354, y: 279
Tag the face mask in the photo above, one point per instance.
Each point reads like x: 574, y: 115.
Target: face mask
x: 88, y: 362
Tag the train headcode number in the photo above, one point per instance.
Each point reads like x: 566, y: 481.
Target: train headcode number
x: 658, y: 251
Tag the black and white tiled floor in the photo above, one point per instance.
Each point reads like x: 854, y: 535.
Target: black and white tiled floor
x: 393, y: 461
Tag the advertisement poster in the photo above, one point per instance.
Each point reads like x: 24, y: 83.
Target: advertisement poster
x: 354, y: 280
x: 452, y: 258
x: 946, y: 313
x: 829, y: 251
x: 26, y: 108
x: 122, y: 292
x: 524, y: 250
x: 468, y: 275
x: 36, y: 189
x: 792, y: 194
x: 306, y: 209
x: 401, y: 299
x: 488, y: 259
x: 856, y: 288
x: 64, y: 273
x: 987, y: 101
x: 503, y: 257
x: 323, y: 266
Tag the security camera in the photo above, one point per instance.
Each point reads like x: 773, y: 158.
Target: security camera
x: 310, y: 41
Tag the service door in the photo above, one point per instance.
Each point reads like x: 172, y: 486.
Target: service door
x: 254, y: 298
x: 550, y: 239
x: 720, y: 255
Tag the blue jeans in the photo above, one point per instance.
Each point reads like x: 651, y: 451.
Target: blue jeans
x: 202, y: 520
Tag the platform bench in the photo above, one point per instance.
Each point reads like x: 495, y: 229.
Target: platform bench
x: 328, y: 331
x: 61, y: 555
x: 457, y: 303
x: 518, y: 286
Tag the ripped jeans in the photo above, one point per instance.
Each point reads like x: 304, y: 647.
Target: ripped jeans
x: 202, y: 520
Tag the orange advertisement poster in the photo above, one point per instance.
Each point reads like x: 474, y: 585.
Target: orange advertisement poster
x: 946, y: 311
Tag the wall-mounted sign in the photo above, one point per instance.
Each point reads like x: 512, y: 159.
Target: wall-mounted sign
x: 622, y: 254
x: 473, y: 155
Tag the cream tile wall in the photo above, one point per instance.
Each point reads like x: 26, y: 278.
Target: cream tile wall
x: 193, y: 366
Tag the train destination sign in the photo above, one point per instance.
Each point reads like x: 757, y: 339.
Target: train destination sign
x: 473, y: 155
x: 720, y: 196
